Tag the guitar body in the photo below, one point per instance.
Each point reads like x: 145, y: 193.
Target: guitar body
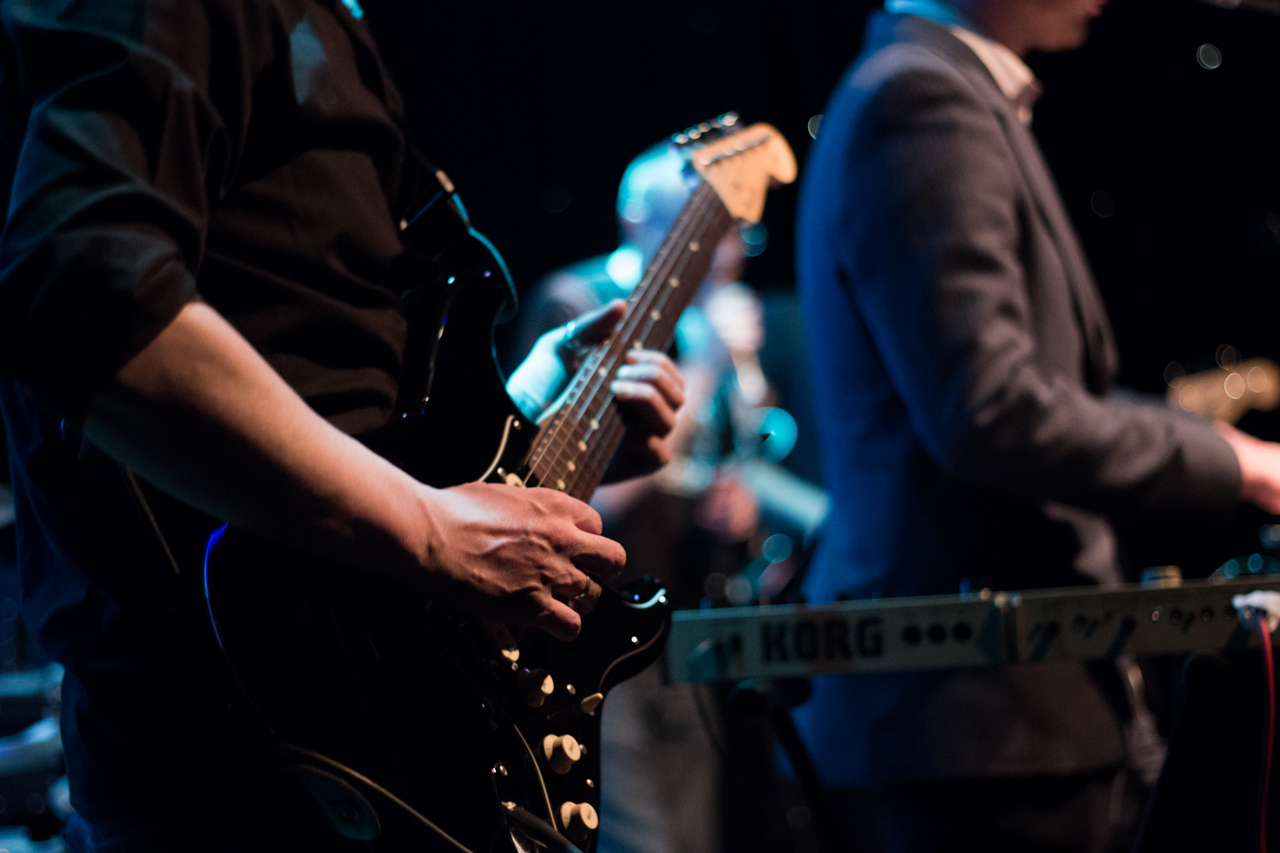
x: 360, y: 680
x: 412, y: 726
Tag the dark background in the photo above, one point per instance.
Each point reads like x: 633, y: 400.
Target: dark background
x: 1169, y: 169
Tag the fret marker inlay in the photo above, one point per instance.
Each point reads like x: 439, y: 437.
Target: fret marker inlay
x: 655, y: 314
x: 582, y: 445
x: 673, y: 281
x: 694, y: 246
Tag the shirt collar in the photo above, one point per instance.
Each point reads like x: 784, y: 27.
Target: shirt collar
x: 1011, y: 74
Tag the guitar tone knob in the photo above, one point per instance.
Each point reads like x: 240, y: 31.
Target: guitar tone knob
x: 579, y: 819
x: 534, y: 686
x: 562, y: 752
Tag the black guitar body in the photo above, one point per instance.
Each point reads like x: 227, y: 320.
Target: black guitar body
x: 398, y: 715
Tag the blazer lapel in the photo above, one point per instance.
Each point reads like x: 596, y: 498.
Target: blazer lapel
x: 1102, y: 361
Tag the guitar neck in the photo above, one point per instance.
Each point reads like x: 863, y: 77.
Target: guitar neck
x: 573, y: 451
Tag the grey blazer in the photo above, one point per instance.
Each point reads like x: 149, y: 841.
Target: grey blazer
x: 961, y: 358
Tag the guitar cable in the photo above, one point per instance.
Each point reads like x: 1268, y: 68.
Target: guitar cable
x: 1260, y: 611
x: 371, y: 785
x: 1265, y: 787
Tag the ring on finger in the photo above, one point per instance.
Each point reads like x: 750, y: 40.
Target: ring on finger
x: 585, y: 590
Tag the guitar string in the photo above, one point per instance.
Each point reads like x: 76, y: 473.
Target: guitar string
x: 604, y: 441
x: 590, y: 388
x: 562, y: 433
x: 641, y: 313
x: 558, y: 438
x: 650, y: 299
x: 604, y: 447
x: 610, y: 419
x: 554, y: 434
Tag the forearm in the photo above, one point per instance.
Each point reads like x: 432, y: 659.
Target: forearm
x: 200, y: 414
x: 1052, y: 440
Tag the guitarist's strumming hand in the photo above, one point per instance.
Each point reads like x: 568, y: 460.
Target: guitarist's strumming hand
x: 1259, y: 467
x: 517, y: 556
x: 199, y: 413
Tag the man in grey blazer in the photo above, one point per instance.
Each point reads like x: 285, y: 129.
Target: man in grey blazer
x: 961, y: 359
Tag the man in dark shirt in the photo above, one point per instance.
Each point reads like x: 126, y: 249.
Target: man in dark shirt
x: 193, y: 323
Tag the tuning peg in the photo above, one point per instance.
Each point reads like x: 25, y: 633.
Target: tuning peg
x: 707, y: 130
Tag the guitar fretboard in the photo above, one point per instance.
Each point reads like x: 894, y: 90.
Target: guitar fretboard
x: 572, y: 452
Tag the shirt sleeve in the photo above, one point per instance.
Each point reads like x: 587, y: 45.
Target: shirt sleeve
x: 551, y: 302
x: 945, y: 298
x: 117, y: 148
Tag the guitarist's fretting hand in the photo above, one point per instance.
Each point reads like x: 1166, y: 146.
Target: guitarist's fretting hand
x: 650, y: 390
x: 649, y: 387
x: 200, y: 414
x: 519, y: 556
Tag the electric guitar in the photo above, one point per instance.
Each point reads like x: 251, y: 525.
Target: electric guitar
x: 411, y: 725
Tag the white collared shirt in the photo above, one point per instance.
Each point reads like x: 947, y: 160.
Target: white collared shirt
x: 1011, y: 74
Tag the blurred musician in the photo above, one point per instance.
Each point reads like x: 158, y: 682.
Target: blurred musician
x: 963, y: 357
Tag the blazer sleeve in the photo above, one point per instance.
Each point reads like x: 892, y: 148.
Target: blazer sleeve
x: 117, y: 120
x: 931, y: 228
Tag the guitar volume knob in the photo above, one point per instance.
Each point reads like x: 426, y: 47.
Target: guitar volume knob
x: 534, y: 686
x: 562, y: 752
x: 579, y: 819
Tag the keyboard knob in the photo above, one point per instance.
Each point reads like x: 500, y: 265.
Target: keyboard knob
x: 534, y: 686
x: 562, y: 752
x: 579, y: 819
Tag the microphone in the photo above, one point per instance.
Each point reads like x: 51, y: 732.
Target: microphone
x: 1272, y: 6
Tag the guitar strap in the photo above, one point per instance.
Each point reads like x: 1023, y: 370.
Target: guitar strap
x: 437, y: 218
x: 443, y: 254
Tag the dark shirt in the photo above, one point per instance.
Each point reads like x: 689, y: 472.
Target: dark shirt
x: 249, y: 154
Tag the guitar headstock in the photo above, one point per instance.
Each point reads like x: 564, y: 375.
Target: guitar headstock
x: 740, y: 163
